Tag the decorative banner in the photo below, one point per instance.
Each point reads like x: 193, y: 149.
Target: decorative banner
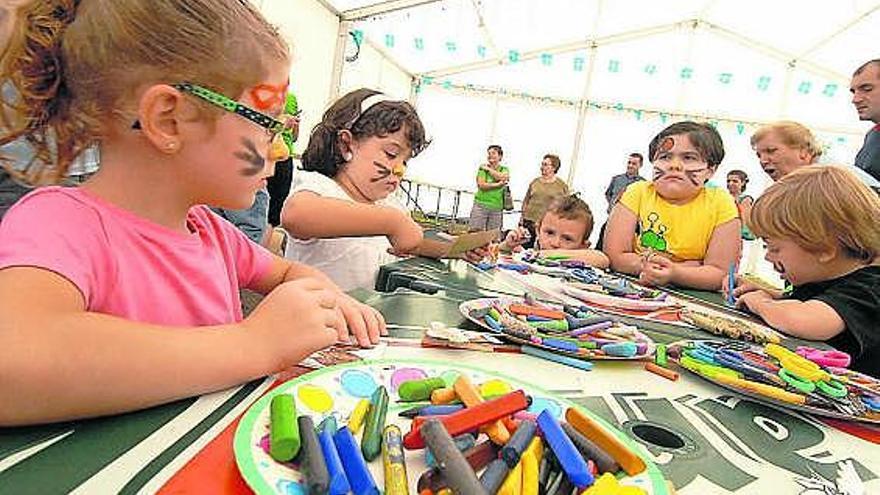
x: 763, y: 83
x: 481, y: 51
x: 451, y: 46
x: 804, y: 87
x: 420, y: 43
x: 613, y: 66
x: 578, y: 64
x: 829, y: 90
x: 358, y: 36
x: 546, y: 59
x: 513, y: 56
x: 389, y: 40
x: 740, y: 128
x: 650, y: 69
x: 725, y: 77
x: 686, y: 73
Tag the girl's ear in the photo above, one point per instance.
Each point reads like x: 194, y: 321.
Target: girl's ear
x: 159, y: 114
x: 345, y: 142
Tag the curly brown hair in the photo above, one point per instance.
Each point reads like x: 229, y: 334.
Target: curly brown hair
x: 75, y: 66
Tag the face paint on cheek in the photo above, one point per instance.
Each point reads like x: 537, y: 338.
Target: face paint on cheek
x: 658, y: 173
x: 382, y: 172
x: 256, y: 162
x: 692, y: 176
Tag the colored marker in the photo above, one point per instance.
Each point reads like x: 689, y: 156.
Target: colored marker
x: 419, y: 390
x: 440, y: 410
x: 356, y: 420
x: 338, y: 481
x: 458, y: 473
x: 393, y: 460
x: 731, y: 284
x: 469, y: 394
x: 353, y: 462
x: 519, y: 441
x: 589, y: 450
x: 311, y: 459
x: 374, y: 424
x: 283, y: 430
x: 569, y: 458
x: 628, y: 460
x: 568, y: 361
x: 472, y: 417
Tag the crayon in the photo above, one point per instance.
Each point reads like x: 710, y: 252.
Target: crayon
x: 374, y: 424
x: 513, y: 482
x: 419, y: 390
x: 530, y: 465
x: 522, y: 309
x: 568, y: 361
x: 589, y: 450
x: 478, y: 457
x: 458, y: 473
x: 545, y: 470
x: 283, y: 431
x: 621, y: 349
x: 359, y: 477
x: 570, y: 459
x: 440, y: 410
x: 494, y: 475
x: 602, y: 325
x: 659, y: 370
x: 660, y: 355
x: 731, y: 284
x: 471, y: 417
x: 311, y: 458
x: 562, y: 345
x: 469, y: 394
x: 462, y: 443
x: 443, y: 396
x: 628, y: 460
x: 575, y: 322
x: 396, y: 482
x: 329, y: 424
x: 519, y: 441
x: 560, y: 326
x: 338, y: 481
x: 356, y: 420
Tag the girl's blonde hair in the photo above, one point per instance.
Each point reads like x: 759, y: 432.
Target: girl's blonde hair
x: 793, y: 134
x: 77, y: 64
x: 819, y: 208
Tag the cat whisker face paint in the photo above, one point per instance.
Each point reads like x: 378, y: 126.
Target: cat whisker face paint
x: 254, y: 160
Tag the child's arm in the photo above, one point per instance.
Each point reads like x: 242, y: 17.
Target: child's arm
x: 591, y: 257
x: 619, y: 240
x: 364, y: 322
x: 307, y: 215
x: 61, y: 362
x: 813, y: 319
x: 724, y: 249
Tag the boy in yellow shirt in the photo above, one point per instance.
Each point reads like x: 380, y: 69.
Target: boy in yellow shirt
x: 564, y: 230
x: 674, y: 230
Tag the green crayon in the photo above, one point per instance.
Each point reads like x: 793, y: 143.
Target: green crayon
x: 419, y: 390
x: 371, y: 443
x: 283, y: 429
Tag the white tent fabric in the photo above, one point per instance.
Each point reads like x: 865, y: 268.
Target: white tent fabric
x: 520, y: 73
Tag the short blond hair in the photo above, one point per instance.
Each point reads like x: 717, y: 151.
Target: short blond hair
x: 793, y: 134
x: 819, y: 208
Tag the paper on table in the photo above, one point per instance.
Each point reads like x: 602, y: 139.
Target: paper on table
x: 449, y: 246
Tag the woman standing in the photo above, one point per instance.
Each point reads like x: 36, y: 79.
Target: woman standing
x: 492, y: 177
x: 736, y: 186
x: 541, y: 193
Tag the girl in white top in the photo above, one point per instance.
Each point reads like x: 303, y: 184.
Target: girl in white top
x: 339, y: 213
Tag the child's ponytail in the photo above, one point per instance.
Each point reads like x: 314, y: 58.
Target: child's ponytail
x: 36, y: 102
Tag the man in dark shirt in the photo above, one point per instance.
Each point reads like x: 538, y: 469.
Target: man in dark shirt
x: 865, y: 88
x: 620, y: 182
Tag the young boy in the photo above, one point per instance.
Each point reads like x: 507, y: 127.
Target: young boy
x: 563, y: 230
x: 820, y: 227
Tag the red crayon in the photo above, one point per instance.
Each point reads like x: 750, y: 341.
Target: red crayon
x: 470, y: 418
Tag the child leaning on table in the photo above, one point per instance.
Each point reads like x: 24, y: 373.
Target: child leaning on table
x: 820, y: 225
x: 124, y: 293
x: 564, y: 230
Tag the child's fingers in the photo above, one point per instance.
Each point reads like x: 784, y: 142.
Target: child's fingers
x: 357, y: 324
x: 375, y: 323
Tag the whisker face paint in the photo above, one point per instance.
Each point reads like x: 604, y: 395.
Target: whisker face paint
x: 382, y: 172
x: 255, y: 160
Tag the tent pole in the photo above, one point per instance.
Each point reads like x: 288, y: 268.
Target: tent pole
x: 583, y: 106
x: 339, y: 59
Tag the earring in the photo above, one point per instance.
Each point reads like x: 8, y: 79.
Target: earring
x: 347, y: 156
x: 171, y: 146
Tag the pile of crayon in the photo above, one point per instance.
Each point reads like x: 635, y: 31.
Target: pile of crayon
x: 571, y: 330
x: 521, y: 453
x: 785, y: 376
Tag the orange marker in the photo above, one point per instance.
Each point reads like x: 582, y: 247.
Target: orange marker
x: 522, y: 309
x: 628, y: 460
x: 659, y: 370
x: 443, y: 396
x: 470, y: 396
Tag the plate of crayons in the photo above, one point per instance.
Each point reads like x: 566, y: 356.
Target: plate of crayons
x: 570, y: 331
x: 808, y: 380
x: 368, y: 428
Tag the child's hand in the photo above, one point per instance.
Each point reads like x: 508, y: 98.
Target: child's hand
x: 657, y: 270
x: 477, y: 255
x: 405, y: 236
x: 753, y: 299
x: 742, y: 286
x: 294, y: 320
x: 516, y: 237
x: 364, y: 322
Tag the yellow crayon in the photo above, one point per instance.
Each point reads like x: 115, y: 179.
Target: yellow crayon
x: 356, y: 420
x: 513, y: 483
x: 535, y: 449
x: 443, y: 396
x: 530, y: 465
x: 393, y: 460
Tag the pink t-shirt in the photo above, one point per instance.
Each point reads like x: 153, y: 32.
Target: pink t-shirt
x: 127, y: 266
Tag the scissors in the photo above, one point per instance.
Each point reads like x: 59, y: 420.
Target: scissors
x: 836, y: 359
x: 795, y: 364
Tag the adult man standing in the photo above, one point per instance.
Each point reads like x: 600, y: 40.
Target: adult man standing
x: 865, y: 88
x: 620, y: 182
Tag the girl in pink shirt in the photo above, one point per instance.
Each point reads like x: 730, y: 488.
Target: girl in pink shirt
x: 123, y: 293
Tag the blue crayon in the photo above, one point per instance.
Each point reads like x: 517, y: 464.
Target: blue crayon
x: 537, y: 318
x: 574, y: 466
x: 440, y: 410
x: 338, y: 480
x: 560, y: 344
x: 731, y: 284
x: 494, y: 325
x: 462, y: 442
x: 569, y: 361
x: 359, y: 477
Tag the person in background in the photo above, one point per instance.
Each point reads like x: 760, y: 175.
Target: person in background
x: 820, y: 227
x: 619, y: 182
x: 736, y: 186
x: 487, y: 212
x: 865, y: 89
x: 542, y: 191
x: 278, y: 185
x: 783, y: 147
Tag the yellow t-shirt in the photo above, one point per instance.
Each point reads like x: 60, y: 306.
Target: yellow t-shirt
x: 681, y: 231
